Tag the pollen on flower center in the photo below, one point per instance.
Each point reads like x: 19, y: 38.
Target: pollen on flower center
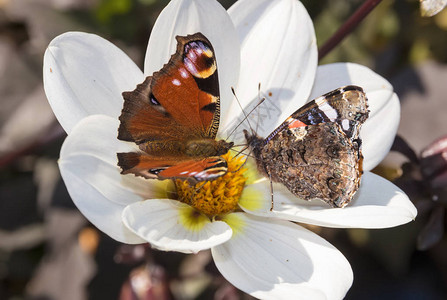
x: 218, y: 196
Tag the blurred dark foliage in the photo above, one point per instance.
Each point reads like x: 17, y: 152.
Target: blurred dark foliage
x: 49, y: 251
x: 424, y: 178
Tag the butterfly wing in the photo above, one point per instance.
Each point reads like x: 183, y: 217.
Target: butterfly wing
x: 199, y: 170
x: 346, y: 106
x: 315, y: 152
x: 172, y: 108
x: 150, y: 167
x: 314, y: 162
x: 179, y: 102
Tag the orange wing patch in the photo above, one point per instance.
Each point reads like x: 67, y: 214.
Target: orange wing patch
x: 151, y: 167
x: 206, y: 169
x: 176, y: 105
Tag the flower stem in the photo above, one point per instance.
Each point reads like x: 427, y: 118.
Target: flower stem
x: 347, y: 27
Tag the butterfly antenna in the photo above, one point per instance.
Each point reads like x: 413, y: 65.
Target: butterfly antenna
x: 243, y: 111
x: 260, y: 101
x: 245, y: 161
x: 239, y: 145
x: 245, y: 115
x: 241, y: 151
x: 240, y: 106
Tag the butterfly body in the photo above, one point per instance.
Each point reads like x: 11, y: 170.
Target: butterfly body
x: 316, y: 152
x: 198, y: 148
x: 173, y: 117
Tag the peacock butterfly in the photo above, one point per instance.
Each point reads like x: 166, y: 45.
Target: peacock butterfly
x: 173, y: 117
x: 316, y: 151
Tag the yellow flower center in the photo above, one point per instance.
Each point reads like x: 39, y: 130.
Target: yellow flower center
x: 218, y: 196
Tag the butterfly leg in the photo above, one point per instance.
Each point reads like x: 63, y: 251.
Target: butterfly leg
x: 271, y: 185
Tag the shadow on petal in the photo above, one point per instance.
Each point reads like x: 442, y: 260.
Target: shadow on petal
x: 270, y: 258
x: 263, y: 116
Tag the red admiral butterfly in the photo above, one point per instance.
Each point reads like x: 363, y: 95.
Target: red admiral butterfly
x: 316, y: 152
x: 173, y: 116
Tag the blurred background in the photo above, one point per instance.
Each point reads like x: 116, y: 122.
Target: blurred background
x: 48, y: 250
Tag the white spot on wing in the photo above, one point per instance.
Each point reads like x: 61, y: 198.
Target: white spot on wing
x: 328, y: 110
x: 201, y: 174
x: 176, y: 82
x: 183, y: 73
x: 345, y: 124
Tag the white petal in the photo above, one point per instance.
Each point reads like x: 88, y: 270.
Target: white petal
x: 182, y: 17
x: 279, y: 52
x: 332, y: 76
x: 166, y: 225
x: 377, y: 204
x: 88, y: 165
x: 430, y: 8
x: 380, y: 129
x: 274, y: 259
x: 85, y: 74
